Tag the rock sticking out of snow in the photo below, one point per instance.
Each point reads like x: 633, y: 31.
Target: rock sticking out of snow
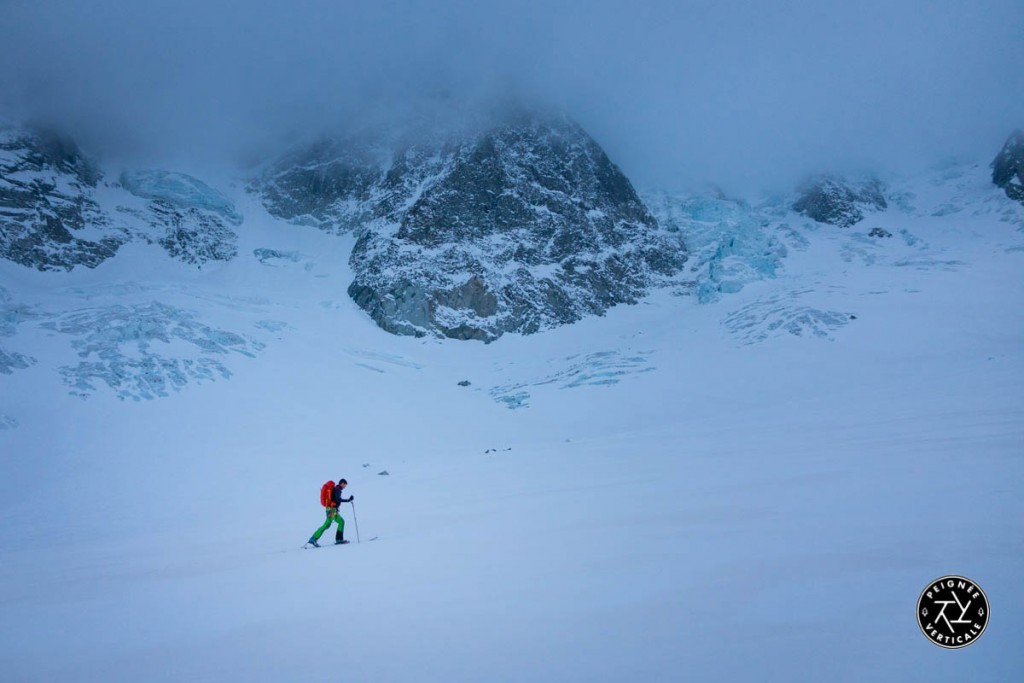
x: 840, y: 202
x: 1008, y: 167
x: 49, y: 217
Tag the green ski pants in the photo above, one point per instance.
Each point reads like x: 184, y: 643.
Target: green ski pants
x: 332, y: 516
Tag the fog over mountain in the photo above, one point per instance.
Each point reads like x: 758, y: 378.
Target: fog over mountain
x: 742, y: 93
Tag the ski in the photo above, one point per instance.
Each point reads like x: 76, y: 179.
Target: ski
x: 307, y: 545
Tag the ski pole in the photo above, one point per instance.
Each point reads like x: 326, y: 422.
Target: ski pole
x: 356, y: 521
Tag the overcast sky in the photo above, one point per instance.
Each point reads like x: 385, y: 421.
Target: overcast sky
x: 746, y: 93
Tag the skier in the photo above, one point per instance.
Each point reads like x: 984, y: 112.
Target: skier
x: 332, y: 515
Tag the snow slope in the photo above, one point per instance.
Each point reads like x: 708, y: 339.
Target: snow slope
x: 755, y: 488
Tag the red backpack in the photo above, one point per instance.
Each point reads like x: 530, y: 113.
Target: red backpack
x: 325, y: 494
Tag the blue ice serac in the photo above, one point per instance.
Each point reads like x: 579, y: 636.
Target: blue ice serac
x: 116, y: 347
x: 731, y: 244
x: 180, y: 190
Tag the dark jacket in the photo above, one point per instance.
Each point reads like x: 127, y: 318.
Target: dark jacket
x: 336, y: 496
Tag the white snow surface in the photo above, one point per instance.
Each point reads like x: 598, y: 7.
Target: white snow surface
x: 754, y: 488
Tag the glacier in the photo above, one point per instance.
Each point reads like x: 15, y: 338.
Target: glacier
x: 730, y: 243
x: 11, y: 315
x: 180, y: 190
x: 595, y: 369
x: 145, y: 351
x: 778, y: 314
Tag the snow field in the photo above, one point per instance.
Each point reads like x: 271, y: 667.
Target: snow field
x: 742, y: 511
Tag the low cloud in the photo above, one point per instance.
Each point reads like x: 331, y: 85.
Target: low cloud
x: 746, y: 94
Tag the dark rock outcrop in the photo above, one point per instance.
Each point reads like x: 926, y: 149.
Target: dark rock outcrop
x: 518, y: 227
x: 49, y: 217
x: 189, y: 219
x: 839, y: 202
x: 1008, y: 167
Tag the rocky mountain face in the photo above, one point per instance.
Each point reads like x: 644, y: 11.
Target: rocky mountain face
x: 1008, y: 167
x: 188, y: 218
x: 519, y: 226
x: 58, y: 213
x: 840, y: 202
x: 49, y: 217
x: 522, y: 226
